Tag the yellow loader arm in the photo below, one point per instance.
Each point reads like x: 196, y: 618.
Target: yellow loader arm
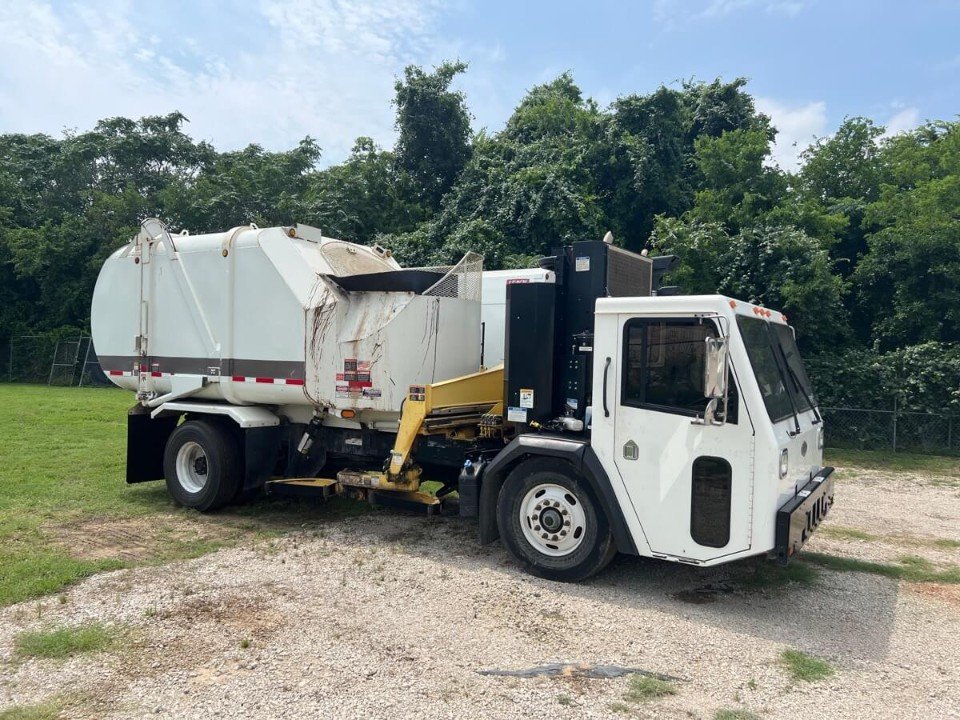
x: 452, y: 407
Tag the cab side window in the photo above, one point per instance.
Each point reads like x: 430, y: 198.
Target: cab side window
x: 663, y: 365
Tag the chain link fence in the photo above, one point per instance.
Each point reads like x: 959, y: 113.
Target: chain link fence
x: 52, y: 360
x: 29, y: 358
x: 894, y: 429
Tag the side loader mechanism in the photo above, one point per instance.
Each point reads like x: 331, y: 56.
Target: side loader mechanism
x: 462, y: 409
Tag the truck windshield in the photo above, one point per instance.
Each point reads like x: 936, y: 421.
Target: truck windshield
x: 777, y: 365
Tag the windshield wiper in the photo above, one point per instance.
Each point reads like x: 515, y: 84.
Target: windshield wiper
x: 783, y: 378
x: 799, y: 385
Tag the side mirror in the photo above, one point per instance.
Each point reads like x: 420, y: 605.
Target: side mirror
x: 715, y: 368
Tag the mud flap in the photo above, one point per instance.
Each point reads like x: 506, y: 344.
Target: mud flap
x: 146, y: 440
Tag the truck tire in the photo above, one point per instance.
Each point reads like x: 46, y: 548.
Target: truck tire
x: 201, y: 464
x: 551, y: 522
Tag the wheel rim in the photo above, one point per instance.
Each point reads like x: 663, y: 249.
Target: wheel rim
x: 192, y: 467
x: 552, y: 519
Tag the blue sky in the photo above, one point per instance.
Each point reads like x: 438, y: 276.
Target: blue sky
x: 272, y: 71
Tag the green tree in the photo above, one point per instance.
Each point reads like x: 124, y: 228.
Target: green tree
x: 777, y: 267
x: 841, y: 174
x: 526, y: 189
x: 365, y: 195
x: 738, y: 189
x: 908, y: 282
x: 434, y: 129
x: 237, y: 188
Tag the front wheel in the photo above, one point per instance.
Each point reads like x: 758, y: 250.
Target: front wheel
x: 550, y: 521
x: 202, y: 465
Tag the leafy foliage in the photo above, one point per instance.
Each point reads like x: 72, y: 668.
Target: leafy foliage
x: 920, y: 377
x: 434, y: 126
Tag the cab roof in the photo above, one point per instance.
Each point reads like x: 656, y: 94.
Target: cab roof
x: 687, y: 305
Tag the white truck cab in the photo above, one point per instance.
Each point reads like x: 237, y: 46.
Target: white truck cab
x: 699, y: 489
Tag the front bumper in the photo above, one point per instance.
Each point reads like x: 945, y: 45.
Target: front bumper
x: 802, y: 514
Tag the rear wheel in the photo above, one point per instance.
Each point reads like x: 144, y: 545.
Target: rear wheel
x: 551, y: 522
x: 202, y: 465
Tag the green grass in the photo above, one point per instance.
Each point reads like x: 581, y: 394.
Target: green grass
x: 805, y: 667
x: 735, y: 715
x: 641, y: 688
x: 62, y: 461
x: 893, y: 462
x: 848, y: 533
x: 945, y: 544
x: 910, y: 568
x: 64, y: 641
x: 44, y: 711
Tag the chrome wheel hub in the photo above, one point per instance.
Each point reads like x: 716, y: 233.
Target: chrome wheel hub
x: 552, y: 519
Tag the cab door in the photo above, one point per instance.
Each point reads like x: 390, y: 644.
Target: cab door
x: 690, y: 483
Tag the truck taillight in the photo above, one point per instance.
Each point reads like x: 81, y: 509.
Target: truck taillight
x: 784, y: 463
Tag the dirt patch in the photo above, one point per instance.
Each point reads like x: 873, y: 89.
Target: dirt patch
x: 239, y: 612
x: 135, y: 539
x: 949, y: 594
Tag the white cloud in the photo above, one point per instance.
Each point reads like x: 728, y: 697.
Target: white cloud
x: 797, y: 127
x: 290, y: 68
x: 906, y: 119
x: 672, y: 11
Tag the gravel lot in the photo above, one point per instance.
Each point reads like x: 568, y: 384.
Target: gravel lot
x: 392, y: 616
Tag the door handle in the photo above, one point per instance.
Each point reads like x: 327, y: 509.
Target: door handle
x: 606, y: 368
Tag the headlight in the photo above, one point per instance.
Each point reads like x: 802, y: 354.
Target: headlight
x: 820, y: 437
x: 784, y: 463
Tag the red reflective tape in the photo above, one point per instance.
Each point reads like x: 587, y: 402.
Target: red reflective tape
x: 238, y: 378
x: 157, y: 374
x: 116, y: 372
x: 264, y: 380
x: 295, y: 381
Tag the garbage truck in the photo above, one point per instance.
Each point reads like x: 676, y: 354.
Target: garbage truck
x: 575, y: 410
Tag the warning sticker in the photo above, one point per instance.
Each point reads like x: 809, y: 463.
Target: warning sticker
x: 356, y: 375
x: 515, y: 414
x: 526, y: 397
x: 371, y: 392
x: 582, y: 263
x: 345, y: 391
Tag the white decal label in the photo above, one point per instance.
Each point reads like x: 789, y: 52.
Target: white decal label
x: 516, y: 415
x: 582, y: 263
x: 526, y: 397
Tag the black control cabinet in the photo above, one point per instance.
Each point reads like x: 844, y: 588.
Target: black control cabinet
x: 529, y: 351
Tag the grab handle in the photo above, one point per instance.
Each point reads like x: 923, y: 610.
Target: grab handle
x: 606, y: 368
